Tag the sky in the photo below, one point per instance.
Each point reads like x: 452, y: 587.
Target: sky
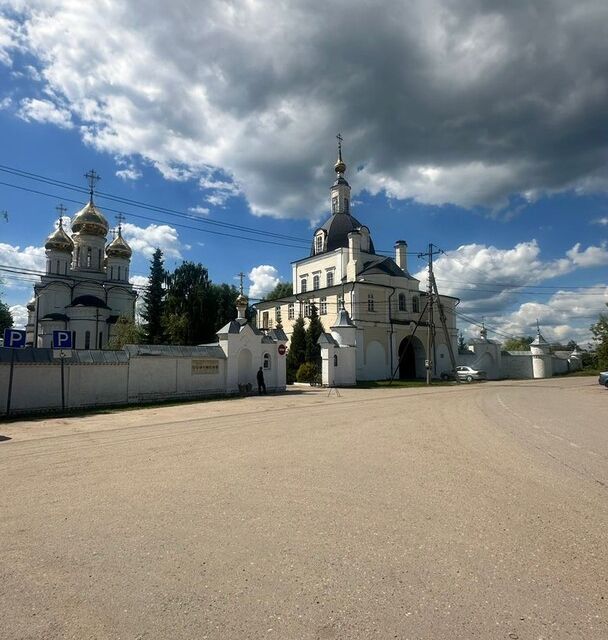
x: 478, y: 126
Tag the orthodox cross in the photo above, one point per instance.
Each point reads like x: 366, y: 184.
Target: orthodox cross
x: 92, y: 178
x: 339, y: 138
x: 120, y: 219
x: 61, y: 209
x: 241, y: 276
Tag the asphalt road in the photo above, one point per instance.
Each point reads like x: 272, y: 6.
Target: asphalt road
x: 478, y: 511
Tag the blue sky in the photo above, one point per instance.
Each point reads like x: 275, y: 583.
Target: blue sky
x: 464, y: 125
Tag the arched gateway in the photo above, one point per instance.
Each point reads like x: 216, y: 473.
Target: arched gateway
x: 411, y: 358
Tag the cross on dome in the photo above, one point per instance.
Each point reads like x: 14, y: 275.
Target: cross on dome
x: 92, y: 178
x: 61, y: 209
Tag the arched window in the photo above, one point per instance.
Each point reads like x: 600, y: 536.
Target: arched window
x: 416, y: 304
x: 266, y: 361
x: 319, y: 243
x: 303, y: 285
x: 119, y: 273
x: 334, y: 204
x: 87, y: 339
x: 111, y: 273
x: 402, y: 306
x: 346, y: 205
x: 330, y: 278
x: 335, y: 359
x: 316, y: 282
x: 88, y: 256
x: 370, y: 302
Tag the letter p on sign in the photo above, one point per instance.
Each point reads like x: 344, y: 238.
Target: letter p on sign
x: 62, y: 339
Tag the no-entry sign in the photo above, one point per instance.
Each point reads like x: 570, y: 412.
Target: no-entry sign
x: 282, y: 349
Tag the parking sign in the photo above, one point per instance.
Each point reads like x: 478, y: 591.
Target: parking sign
x: 14, y: 338
x: 62, y: 340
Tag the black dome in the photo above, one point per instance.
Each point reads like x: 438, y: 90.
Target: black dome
x: 337, y: 229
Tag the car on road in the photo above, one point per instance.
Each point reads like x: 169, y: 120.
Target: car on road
x: 468, y: 374
x: 603, y: 379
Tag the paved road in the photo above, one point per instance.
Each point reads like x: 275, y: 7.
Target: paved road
x: 478, y: 511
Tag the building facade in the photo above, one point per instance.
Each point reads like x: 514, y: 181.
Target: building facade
x: 85, y: 288
x: 383, y: 300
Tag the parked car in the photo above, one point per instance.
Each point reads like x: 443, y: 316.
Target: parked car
x: 469, y: 374
x: 603, y: 379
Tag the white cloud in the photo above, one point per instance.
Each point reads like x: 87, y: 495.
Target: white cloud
x: 476, y: 114
x: 602, y: 221
x: 590, y: 257
x: 139, y: 281
x: 155, y: 236
x: 19, y: 313
x: 6, y: 103
x: 45, y: 111
x: 26, y: 258
x: 129, y: 173
x: 8, y: 39
x: 199, y: 211
x: 264, y: 278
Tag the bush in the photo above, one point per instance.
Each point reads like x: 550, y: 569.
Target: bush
x: 308, y: 372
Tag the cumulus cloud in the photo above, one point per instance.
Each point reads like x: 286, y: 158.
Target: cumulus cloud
x: 445, y: 102
x: 139, y: 281
x: 19, y: 313
x: 27, y: 258
x: 199, y: 211
x: 264, y: 278
x: 601, y: 221
x: 8, y: 31
x: 33, y: 109
x: 129, y: 173
x: 155, y: 236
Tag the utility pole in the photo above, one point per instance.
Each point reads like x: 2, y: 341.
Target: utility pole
x: 430, y: 290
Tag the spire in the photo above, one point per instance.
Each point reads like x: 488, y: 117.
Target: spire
x: 92, y: 178
x: 241, y: 302
x: 340, y: 166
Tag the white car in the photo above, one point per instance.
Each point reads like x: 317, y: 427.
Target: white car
x: 469, y: 374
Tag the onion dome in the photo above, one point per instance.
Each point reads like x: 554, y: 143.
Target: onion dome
x: 59, y: 240
x: 119, y: 248
x: 90, y: 220
x: 340, y: 166
x: 31, y: 305
x: 242, y: 299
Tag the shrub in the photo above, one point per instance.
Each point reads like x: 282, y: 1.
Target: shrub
x: 308, y: 372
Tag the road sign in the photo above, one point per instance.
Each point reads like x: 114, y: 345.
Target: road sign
x: 62, y: 340
x: 282, y: 349
x: 14, y: 338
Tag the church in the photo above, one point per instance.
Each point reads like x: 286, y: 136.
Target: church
x: 85, y: 288
x: 348, y: 281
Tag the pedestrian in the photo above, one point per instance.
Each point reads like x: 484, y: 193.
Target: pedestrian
x: 261, y: 383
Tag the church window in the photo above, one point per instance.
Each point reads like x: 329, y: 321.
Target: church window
x: 330, y: 278
x: 335, y: 359
x: 370, y: 302
x: 119, y: 273
x: 303, y: 285
x: 334, y: 204
x: 416, y: 304
x: 266, y: 361
x: 265, y: 320
x: 99, y: 258
x: 111, y: 273
x: 319, y: 243
x: 277, y: 314
x: 127, y: 273
x: 89, y: 257
x: 307, y: 309
x: 316, y: 282
x: 323, y: 307
x: 402, y: 306
x: 346, y: 205
x: 290, y: 311
x: 87, y: 339
x: 57, y: 267
x: 100, y: 345
x: 78, y: 257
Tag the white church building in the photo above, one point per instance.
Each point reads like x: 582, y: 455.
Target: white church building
x: 85, y: 288
x: 382, y: 300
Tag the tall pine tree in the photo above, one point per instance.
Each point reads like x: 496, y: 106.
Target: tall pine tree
x: 154, y: 301
x: 314, y: 330
x: 297, y: 349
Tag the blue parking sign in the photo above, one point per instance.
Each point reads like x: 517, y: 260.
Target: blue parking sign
x: 14, y: 338
x: 62, y: 339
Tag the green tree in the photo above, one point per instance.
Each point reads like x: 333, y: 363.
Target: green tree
x: 125, y: 332
x: 6, y: 317
x: 189, y: 315
x: 462, y: 345
x: 600, y: 337
x: 223, y: 301
x: 522, y: 343
x: 297, y: 349
x: 152, y: 312
x: 282, y: 290
x: 314, y: 330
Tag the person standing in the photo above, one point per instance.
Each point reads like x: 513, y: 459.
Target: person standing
x: 261, y: 383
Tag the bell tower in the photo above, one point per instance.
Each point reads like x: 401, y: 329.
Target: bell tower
x: 340, y: 189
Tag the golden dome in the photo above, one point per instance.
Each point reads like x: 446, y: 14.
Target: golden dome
x: 340, y: 166
x: 241, y: 299
x: 119, y: 248
x: 90, y: 220
x: 59, y: 240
